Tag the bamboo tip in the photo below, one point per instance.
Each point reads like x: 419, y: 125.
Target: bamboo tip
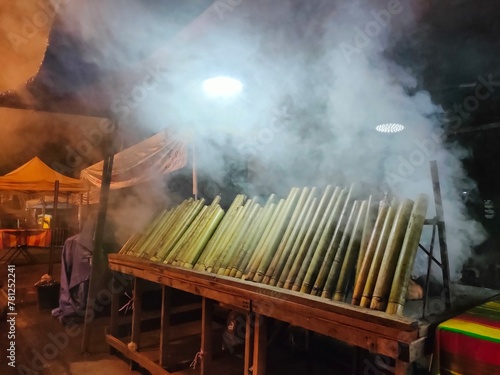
x: 365, y: 302
x: 326, y: 295
x: 296, y: 288
x: 305, y: 289
x: 355, y: 302
x: 338, y: 296
x: 266, y: 280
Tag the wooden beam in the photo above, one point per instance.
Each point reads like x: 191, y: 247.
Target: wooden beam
x: 165, y: 325
x: 206, y: 351
x: 260, y: 345
x: 137, y: 312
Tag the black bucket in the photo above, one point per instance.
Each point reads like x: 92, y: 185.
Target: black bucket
x: 48, y: 296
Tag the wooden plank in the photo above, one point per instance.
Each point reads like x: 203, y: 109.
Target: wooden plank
x: 137, y: 311
x: 251, y: 290
x: 135, y: 356
x: 260, y: 345
x: 206, y: 351
x: 165, y: 325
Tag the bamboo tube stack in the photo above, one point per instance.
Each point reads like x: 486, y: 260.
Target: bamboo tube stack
x: 323, y: 242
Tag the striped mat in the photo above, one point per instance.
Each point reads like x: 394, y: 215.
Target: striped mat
x: 30, y: 237
x: 470, y: 342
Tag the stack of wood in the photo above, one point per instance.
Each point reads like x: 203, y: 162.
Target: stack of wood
x: 330, y: 244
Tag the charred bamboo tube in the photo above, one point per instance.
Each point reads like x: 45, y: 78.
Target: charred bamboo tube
x: 370, y: 252
x: 319, y: 255
x: 289, y: 261
x: 205, y: 223
x: 182, y: 221
x: 391, y: 255
x: 207, y: 232
x: 374, y: 269
x: 249, y: 235
x: 260, y: 249
x: 232, y: 256
x: 213, y: 243
x: 313, y: 247
x: 267, y: 213
x: 397, y: 297
x: 287, y: 237
x: 185, y: 237
x: 276, y: 235
x: 301, y: 254
x: 365, y: 236
x: 331, y: 250
x: 348, y: 267
x: 239, y: 221
x: 334, y: 273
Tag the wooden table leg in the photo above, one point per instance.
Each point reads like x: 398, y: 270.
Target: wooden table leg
x: 165, y: 324
x: 403, y: 368
x: 206, y: 335
x: 248, y: 344
x: 360, y: 362
x: 137, y: 311
x: 260, y: 345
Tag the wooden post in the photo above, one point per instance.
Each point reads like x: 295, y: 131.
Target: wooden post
x: 115, y: 306
x: 248, y: 344
x: 206, y: 336
x: 135, y: 337
x: 165, y: 324
x: 53, y: 227
x: 260, y: 345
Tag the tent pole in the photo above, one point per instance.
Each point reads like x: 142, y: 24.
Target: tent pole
x: 195, y: 174
x: 54, y: 226
x: 99, y: 256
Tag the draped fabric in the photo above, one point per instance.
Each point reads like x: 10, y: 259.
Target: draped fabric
x: 469, y: 344
x: 149, y: 159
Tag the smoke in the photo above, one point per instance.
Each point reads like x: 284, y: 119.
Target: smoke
x: 318, y: 78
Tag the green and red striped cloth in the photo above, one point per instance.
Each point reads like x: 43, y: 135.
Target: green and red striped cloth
x: 470, y: 342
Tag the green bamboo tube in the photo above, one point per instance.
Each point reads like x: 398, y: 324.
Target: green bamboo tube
x: 249, y: 235
x: 317, y: 260
x: 199, y: 245
x: 232, y: 238
x: 185, y: 237
x: 368, y: 225
x: 249, y: 249
x: 370, y: 253
x: 198, y: 232
x: 334, y: 273
x: 374, y: 269
x: 276, y: 235
x: 397, y: 296
x: 313, y: 246
x: 293, y: 243
x: 333, y: 245
x: 181, y: 223
x: 306, y: 242
x: 261, y: 245
x: 146, y: 234
x: 213, y: 243
x: 289, y: 261
x: 287, y: 237
x: 132, y: 240
x: 233, y: 255
x: 349, y: 264
x: 391, y: 255
x: 151, y: 247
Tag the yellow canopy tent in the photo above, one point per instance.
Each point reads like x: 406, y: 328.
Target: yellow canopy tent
x: 36, y: 176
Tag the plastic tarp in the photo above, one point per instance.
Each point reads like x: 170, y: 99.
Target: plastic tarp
x: 147, y: 160
x: 35, y: 175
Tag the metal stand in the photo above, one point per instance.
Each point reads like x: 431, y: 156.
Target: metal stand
x: 438, y: 226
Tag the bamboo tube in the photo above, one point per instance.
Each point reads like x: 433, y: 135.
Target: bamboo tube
x: 334, y: 273
x: 365, y: 236
x: 213, y: 243
x: 197, y: 233
x: 233, y: 256
x: 185, y: 237
x: 132, y: 240
x: 182, y: 221
x: 319, y: 255
x: 276, y: 235
x: 267, y: 213
x: 397, y: 296
x: 151, y: 246
x: 260, y: 249
x: 151, y: 227
x: 301, y: 254
x: 287, y: 236
x: 391, y: 255
x: 374, y: 269
x: 249, y: 235
x: 226, y: 252
x: 369, y: 254
x: 348, y: 266
x: 289, y: 261
x: 331, y: 250
x: 207, y: 232
x: 313, y: 247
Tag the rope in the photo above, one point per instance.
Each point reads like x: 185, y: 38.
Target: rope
x: 197, y: 358
x: 128, y: 305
